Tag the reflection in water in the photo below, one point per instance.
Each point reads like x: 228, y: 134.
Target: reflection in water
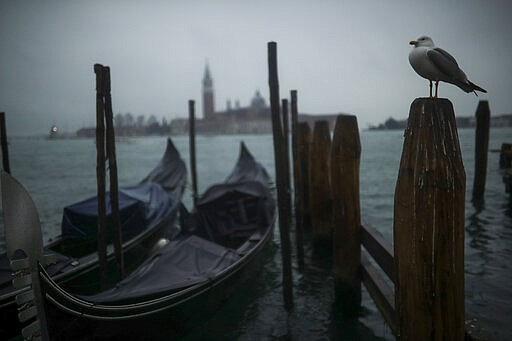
x: 479, y: 238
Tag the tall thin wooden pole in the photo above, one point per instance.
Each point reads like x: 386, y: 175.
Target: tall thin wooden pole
x: 506, y: 155
x: 429, y: 226
x: 483, y: 118
x: 3, y: 141
x: 299, y: 219
x: 304, y: 146
x: 346, y: 214
x: 112, y: 166
x: 320, y: 187
x: 100, y: 174
x: 277, y: 132
x: 192, y: 143
x: 286, y: 157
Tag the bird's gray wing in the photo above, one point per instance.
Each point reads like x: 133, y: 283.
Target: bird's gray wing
x: 444, y: 62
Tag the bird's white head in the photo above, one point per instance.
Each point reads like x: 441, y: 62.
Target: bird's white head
x: 422, y: 41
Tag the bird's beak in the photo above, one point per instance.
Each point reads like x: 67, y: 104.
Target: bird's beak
x: 413, y: 42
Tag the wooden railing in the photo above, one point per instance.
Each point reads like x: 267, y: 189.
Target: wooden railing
x: 380, y: 289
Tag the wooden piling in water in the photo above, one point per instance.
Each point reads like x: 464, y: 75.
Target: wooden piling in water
x: 279, y: 158
x: 3, y: 141
x: 192, y: 146
x: 117, y: 234
x: 506, y: 155
x: 100, y: 174
x: 320, y: 186
x: 483, y: 117
x: 303, y: 147
x: 286, y: 158
x: 297, y: 190
x: 346, y: 214
x: 429, y: 226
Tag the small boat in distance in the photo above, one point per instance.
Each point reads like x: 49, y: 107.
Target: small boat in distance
x: 186, y: 278
x: 148, y: 212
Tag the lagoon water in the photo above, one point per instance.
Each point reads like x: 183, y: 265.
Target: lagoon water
x: 59, y: 172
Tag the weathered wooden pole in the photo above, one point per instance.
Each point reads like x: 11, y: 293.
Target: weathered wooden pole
x: 117, y: 233
x: 346, y: 214
x: 429, y: 226
x: 286, y: 158
x: 320, y: 186
x: 506, y: 155
x: 483, y: 118
x: 299, y: 219
x: 192, y: 146
x: 303, y: 146
x: 3, y: 142
x: 279, y: 150
x: 100, y: 174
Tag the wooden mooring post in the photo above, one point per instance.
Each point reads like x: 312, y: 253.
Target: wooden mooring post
x: 117, y: 234
x: 105, y: 148
x: 280, y: 159
x: 346, y: 216
x: 192, y: 146
x: 303, y: 146
x: 320, y: 187
x: 429, y: 226
x: 286, y: 157
x: 506, y: 155
x: 100, y: 174
x: 3, y: 141
x: 297, y: 185
x: 483, y: 118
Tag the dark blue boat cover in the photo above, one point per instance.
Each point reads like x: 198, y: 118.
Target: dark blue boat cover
x: 179, y: 264
x: 140, y: 207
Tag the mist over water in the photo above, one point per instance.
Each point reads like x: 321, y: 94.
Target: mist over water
x: 60, y: 172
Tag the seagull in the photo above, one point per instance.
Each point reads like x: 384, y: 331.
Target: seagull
x: 435, y: 64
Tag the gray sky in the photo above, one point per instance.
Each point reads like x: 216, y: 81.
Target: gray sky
x: 341, y: 56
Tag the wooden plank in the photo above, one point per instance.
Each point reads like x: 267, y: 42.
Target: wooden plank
x: 379, y: 248
x: 381, y: 293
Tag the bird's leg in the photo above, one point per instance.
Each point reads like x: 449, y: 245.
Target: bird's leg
x: 430, y: 89
x: 437, y: 85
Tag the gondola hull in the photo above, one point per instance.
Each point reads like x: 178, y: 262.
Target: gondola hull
x: 220, y: 246
x: 79, y: 273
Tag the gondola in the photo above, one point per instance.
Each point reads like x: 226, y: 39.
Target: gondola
x: 218, y: 246
x: 148, y: 212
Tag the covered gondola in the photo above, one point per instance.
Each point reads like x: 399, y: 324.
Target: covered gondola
x: 148, y: 212
x: 188, y: 276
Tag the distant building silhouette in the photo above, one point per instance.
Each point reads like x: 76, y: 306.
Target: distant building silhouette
x: 208, y: 95
x: 252, y: 119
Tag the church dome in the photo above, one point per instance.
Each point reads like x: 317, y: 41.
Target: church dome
x: 257, y: 101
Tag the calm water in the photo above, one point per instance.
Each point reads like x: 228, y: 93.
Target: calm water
x: 60, y: 172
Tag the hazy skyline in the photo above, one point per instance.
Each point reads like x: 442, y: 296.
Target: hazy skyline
x: 341, y: 56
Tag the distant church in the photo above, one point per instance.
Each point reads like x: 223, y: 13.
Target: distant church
x: 256, y: 111
x: 254, y: 119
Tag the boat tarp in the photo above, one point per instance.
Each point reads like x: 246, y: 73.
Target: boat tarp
x: 234, y: 210
x: 140, y: 207
x: 179, y: 264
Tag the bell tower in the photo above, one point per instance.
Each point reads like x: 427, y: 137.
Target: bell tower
x: 208, y: 103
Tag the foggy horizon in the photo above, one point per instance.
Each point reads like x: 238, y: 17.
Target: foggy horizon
x: 349, y: 57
